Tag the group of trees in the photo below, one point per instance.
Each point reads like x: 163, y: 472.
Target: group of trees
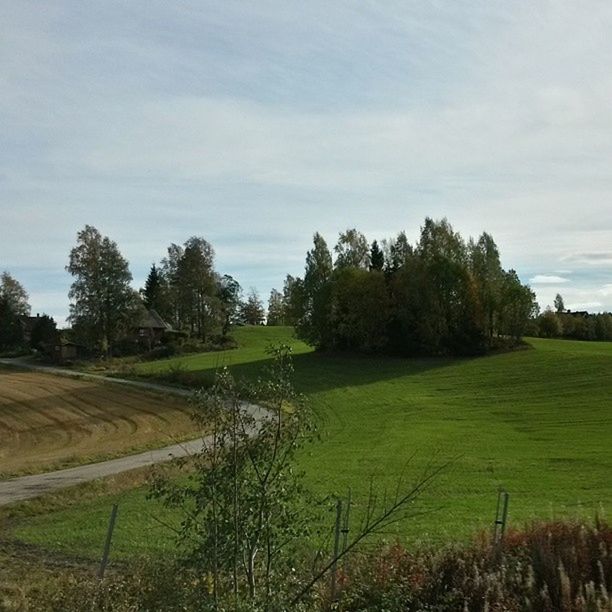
x: 185, y: 290
x: 562, y: 323
x: 440, y: 296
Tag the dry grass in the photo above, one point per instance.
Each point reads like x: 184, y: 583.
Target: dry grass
x: 49, y: 421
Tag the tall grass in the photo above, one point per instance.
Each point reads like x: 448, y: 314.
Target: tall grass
x: 548, y: 567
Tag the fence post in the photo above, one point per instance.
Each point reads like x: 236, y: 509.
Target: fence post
x: 501, y: 516
x: 107, y: 544
x: 345, y: 527
x: 336, y: 548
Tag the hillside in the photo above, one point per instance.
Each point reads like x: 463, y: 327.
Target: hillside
x: 536, y: 421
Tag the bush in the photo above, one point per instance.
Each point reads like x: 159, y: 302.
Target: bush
x: 172, y: 348
x: 163, y: 351
x: 548, y: 567
x: 552, y: 567
x: 126, y: 347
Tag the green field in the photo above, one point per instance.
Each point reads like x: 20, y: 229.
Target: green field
x: 536, y: 421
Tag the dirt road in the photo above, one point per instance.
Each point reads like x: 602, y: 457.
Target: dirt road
x: 26, y: 487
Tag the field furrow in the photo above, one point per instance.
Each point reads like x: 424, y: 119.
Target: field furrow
x: 48, y: 421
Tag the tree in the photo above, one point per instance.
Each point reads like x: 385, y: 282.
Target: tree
x: 245, y: 510
x: 103, y: 303
x: 253, y: 312
x: 169, y: 271
x: 559, y: 304
x: 155, y: 294
x: 15, y: 296
x: 293, y: 300
x: 44, y: 334
x: 397, y: 252
x: 360, y: 310
x: 549, y: 324
x: 377, y: 257
x: 352, y: 250
x: 10, y: 330
x: 519, y: 306
x: 276, y: 311
x: 486, y: 268
x: 438, y: 241
x: 13, y: 304
x: 229, y: 292
x: 196, y: 287
x: 313, y: 326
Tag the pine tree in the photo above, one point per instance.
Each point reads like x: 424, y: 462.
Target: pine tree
x: 152, y: 290
x: 377, y: 257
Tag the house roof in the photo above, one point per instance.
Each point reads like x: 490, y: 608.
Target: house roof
x: 27, y: 321
x: 152, y: 320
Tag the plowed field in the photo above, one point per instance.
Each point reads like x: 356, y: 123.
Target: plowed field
x: 48, y: 421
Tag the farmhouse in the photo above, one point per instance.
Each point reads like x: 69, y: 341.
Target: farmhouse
x: 151, y: 328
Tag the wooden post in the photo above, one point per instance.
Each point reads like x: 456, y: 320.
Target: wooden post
x: 501, y: 516
x: 345, y: 527
x: 107, y: 544
x: 336, y: 548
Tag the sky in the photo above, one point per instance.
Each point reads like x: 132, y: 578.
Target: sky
x: 255, y: 124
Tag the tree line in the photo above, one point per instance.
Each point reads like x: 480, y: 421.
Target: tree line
x: 563, y: 323
x: 440, y: 296
x: 185, y: 290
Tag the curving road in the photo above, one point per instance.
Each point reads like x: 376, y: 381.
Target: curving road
x: 27, y: 487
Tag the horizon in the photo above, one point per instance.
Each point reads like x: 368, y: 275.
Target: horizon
x: 255, y: 126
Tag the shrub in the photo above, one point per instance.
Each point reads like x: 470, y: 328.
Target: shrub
x: 564, y: 567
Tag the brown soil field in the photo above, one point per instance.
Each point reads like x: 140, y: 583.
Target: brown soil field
x: 48, y: 421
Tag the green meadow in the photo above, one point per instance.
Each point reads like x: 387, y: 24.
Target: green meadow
x: 536, y: 421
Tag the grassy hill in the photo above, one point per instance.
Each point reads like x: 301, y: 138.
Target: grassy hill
x: 537, y: 422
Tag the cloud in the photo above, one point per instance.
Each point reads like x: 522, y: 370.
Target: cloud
x: 544, y: 279
x: 599, y: 258
x: 277, y: 119
x: 590, y: 306
x: 606, y: 290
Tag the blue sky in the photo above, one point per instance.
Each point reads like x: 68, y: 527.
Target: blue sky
x: 255, y: 124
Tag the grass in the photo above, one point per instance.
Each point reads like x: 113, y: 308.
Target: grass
x: 537, y: 422
x: 48, y: 421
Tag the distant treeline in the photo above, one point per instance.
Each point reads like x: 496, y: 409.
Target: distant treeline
x: 440, y: 296
x: 576, y: 325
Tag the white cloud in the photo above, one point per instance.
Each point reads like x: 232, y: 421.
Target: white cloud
x: 544, y: 279
x: 590, y: 306
x: 606, y: 290
x: 594, y: 258
x: 275, y: 118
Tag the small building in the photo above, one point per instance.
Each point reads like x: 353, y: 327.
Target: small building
x: 577, y: 313
x: 65, y: 351
x: 151, y: 329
